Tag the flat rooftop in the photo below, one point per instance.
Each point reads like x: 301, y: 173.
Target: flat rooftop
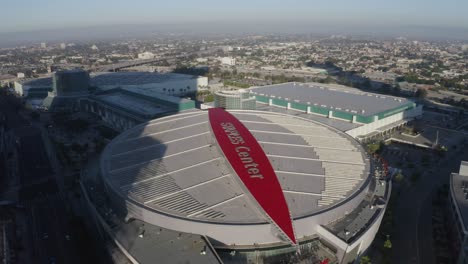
x: 135, y: 78
x: 133, y: 104
x: 163, y: 245
x: 117, y: 78
x: 336, y: 97
x: 355, y: 222
x: 174, y: 165
x: 459, y: 182
x: 146, y: 242
x: 39, y: 82
x: 151, y: 93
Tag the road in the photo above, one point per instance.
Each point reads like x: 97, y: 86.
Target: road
x: 287, y: 73
x: 51, y: 231
x: 412, y: 238
x: 49, y: 221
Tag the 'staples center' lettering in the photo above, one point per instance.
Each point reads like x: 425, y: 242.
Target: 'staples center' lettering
x: 253, y: 168
x: 243, y: 152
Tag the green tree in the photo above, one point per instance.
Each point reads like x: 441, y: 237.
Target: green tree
x: 366, y: 84
x: 209, y: 98
x: 329, y: 79
x: 396, y: 90
x: 415, y: 176
x: 421, y: 93
x: 387, y: 243
x: 35, y: 115
x: 365, y: 260
x: 373, y: 147
x: 399, y: 177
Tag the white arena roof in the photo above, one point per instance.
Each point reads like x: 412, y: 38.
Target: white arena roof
x: 174, y: 168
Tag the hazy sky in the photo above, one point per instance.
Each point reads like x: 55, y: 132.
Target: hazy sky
x: 26, y: 15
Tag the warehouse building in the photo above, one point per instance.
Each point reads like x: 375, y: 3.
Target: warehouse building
x: 360, y: 114
x: 123, y: 108
x: 67, y: 83
x: 120, y: 99
x: 168, y: 83
x: 33, y: 87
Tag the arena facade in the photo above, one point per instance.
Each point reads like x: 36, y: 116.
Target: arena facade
x: 255, y: 185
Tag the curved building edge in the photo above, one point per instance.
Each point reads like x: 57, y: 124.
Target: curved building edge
x: 242, y: 236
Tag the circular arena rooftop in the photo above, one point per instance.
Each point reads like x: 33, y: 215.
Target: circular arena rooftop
x: 230, y: 175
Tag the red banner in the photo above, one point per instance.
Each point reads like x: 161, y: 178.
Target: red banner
x: 252, y: 166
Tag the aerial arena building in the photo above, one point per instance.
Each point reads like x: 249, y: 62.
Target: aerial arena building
x: 255, y: 186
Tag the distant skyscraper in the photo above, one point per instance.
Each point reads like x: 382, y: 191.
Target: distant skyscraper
x: 43, y: 45
x: 63, y: 45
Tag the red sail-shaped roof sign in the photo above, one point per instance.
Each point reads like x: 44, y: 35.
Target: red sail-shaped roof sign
x: 252, y: 166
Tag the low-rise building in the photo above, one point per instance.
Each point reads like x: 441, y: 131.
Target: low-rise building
x: 33, y: 87
x: 361, y: 115
x: 146, y: 55
x: 230, y: 61
x: 235, y: 99
x: 6, y: 79
x: 123, y: 108
x: 458, y: 217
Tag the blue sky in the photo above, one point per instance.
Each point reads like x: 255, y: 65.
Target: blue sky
x: 26, y: 15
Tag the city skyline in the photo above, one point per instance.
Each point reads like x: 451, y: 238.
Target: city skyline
x: 234, y: 142
x: 51, y: 14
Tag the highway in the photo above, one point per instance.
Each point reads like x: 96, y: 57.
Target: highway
x: 126, y: 64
